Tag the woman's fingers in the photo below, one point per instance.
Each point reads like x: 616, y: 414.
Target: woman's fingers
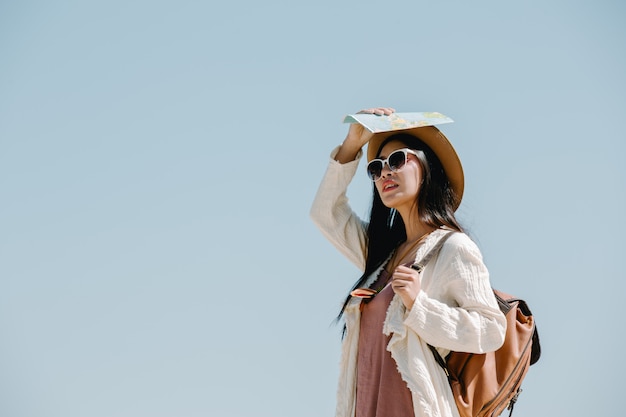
x: 405, y: 277
x: 406, y: 283
x: 357, y: 130
x: 380, y: 111
x: 405, y: 272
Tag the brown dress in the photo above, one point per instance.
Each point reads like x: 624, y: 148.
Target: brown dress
x: 380, y: 392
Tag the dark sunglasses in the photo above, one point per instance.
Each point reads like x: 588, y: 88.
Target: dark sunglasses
x: 395, y: 160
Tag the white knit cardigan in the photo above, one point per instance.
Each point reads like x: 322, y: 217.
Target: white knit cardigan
x: 456, y: 309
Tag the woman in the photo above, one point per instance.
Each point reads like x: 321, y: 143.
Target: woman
x: 394, y: 312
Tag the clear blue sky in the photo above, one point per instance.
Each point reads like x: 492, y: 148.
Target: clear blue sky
x: 158, y: 160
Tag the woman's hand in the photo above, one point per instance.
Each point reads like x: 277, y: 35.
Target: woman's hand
x: 406, y: 282
x: 358, y: 133
x: 358, y: 136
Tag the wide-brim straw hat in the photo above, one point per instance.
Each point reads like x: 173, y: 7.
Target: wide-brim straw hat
x: 439, y: 144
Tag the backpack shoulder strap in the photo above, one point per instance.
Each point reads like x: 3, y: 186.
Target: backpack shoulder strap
x: 418, y: 266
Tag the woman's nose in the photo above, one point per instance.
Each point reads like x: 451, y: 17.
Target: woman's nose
x: 386, y: 170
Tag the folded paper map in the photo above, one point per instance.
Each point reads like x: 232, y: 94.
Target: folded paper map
x: 397, y: 121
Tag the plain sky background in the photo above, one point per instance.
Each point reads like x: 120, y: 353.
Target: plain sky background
x: 158, y: 160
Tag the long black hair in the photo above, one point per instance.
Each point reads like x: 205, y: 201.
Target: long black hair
x: 436, y: 203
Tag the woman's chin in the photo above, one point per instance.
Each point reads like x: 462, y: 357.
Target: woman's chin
x: 395, y: 202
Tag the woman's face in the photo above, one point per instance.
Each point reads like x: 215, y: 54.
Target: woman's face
x: 399, y: 189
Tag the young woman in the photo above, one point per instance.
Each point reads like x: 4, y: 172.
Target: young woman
x: 394, y: 312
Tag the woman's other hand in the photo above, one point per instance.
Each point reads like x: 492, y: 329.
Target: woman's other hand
x: 406, y: 282
x: 358, y: 136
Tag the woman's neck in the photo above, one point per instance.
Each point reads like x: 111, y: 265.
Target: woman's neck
x: 415, y: 232
x: 414, y: 227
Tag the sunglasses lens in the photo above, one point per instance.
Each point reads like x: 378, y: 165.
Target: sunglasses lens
x: 374, y: 169
x: 397, y: 160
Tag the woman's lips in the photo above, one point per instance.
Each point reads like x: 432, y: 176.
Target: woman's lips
x: 389, y: 185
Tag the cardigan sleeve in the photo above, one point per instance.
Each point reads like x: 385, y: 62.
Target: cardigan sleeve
x: 333, y: 215
x: 469, y: 320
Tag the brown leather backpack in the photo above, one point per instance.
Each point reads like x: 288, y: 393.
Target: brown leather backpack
x: 484, y: 385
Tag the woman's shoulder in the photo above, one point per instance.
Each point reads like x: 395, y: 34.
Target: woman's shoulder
x: 459, y: 243
x: 460, y: 239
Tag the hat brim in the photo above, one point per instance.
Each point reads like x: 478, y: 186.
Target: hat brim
x: 439, y: 144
